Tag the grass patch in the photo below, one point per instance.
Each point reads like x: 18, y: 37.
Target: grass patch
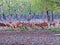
x: 23, y: 28
x: 9, y: 29
x: 54, y: 29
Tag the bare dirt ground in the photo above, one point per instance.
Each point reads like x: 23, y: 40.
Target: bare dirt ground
x: 33, y: 37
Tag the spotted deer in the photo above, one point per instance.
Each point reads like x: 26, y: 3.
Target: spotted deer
x: 16, y: 24
x: 42, y: 25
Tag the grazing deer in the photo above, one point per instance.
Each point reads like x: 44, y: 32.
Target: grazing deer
x: 17, y: 24
x: 33, y: 25
x: 27, y: 24
x: 9, y: 23
x: 2, y: 24
x: 14, y: 25
x: 42, y: 25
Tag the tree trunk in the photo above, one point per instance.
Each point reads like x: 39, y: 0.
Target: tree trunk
x: 29, y: 17
x: 52, y: 16
x: 16, y: 16
x: 11, y: 15
x: 48, y: 17
x: 4, y: 16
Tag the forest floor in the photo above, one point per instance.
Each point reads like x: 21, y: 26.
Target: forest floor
x: 31, y: 37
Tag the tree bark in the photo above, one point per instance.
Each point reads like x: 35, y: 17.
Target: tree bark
x: 16, y: 16
x: 52, y: 16
x: 48, y: 17
x: 28, y: 18
x: 4, y: 16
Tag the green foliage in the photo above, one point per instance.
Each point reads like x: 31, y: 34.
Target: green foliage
x: 24, y: 6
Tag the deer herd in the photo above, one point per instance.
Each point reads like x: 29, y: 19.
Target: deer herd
x: 42, y: 24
